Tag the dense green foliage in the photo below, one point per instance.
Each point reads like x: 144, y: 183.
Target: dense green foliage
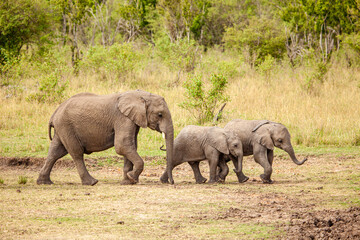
x: 255, y: 29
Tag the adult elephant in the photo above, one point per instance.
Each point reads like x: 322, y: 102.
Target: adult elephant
x: 196, y: 143
x: 259, y: 137
x: 88, y: 123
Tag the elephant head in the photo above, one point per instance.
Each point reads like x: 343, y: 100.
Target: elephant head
x: 150, y: 110
x: 270, y: 134
x: 226, y: 142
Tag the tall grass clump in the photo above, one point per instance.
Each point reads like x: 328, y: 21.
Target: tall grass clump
x: 22, y: 180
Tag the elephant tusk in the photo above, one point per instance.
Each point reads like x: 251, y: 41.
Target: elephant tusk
x: 163, y: 135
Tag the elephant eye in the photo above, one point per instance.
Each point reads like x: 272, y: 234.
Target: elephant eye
x: 235, y: 145
x: 280, y: 140
x: 160, y: 115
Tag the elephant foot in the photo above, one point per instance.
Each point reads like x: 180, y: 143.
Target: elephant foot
x: 90, y: 182
x: 201, y: 180
x: 211, y: 181
x: 131, y: 177
x: 164, y: 179
x: 243, y: 179
x: 220, y: 180
x: 126, y: 182
x: 265, y: 180
x: 41, y: 181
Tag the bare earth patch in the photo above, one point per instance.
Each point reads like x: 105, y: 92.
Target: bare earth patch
x: 319, y: 200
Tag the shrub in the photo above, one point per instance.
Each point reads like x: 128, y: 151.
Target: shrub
x: 1, y: 181
x: 179, y: 56
x: 51, y: 89
x: 204, y: 98
x: 266, y: 66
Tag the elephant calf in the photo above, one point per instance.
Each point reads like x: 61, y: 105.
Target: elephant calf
x: 258, y: 138
x: 196, y: 143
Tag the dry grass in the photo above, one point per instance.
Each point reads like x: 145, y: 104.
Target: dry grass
x: 150, y: 210
x: 326, y: 115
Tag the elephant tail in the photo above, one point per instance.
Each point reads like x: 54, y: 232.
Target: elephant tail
x: 50, y: 126
x: 162, y: 148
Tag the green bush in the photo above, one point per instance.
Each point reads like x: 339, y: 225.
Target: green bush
x: 204, y: 98
x: 1, y: 181
x: 118, y: 60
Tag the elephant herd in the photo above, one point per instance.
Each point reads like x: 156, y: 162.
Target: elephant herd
x: 87, y: 123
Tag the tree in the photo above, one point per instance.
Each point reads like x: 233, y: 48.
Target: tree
x: 318, y: 24
x: 22, y: 22
x: 257, y: 38
x: 74, y: 14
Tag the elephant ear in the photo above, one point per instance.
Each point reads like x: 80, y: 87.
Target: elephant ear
x: 263, y: 136
x: 133, y: 104
x: 217, y: 138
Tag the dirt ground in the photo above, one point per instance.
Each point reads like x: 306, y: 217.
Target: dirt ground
x: 319, y: 200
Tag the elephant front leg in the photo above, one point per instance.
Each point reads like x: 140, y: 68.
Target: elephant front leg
x: 128, y: 167
x: 138, y: 167
x: 238, y: 164
x: 261, y: 158
x: 224, y: 170
x: 197, y: 174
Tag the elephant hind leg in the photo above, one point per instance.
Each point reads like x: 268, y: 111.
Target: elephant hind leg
x: 76, y: 151
x: 197, y: 174
x: 86, y: 178
x: 56, y: 151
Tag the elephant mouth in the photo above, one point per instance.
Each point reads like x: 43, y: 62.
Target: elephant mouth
x: 156, y: 128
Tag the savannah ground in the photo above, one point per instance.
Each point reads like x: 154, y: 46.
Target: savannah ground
x: 319, y: 200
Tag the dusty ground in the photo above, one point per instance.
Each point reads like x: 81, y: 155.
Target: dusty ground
x: 319, y: 200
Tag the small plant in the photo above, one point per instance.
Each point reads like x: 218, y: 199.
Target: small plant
x: 1, y: 181
x: 22, y: 180
x: 203, y: 99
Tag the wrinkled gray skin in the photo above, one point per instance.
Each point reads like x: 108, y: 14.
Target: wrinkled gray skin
x: 88, y: 123
x: 196, y: 143
x: 259, y: 137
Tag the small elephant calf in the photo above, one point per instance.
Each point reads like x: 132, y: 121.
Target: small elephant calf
x: 196, y: 143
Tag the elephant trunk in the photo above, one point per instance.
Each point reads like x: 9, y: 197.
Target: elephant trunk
x: 169, y: 139
x: 291, y: 153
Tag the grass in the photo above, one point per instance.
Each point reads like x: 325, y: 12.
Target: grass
x: 151, y: 210
x: 22, y: 180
